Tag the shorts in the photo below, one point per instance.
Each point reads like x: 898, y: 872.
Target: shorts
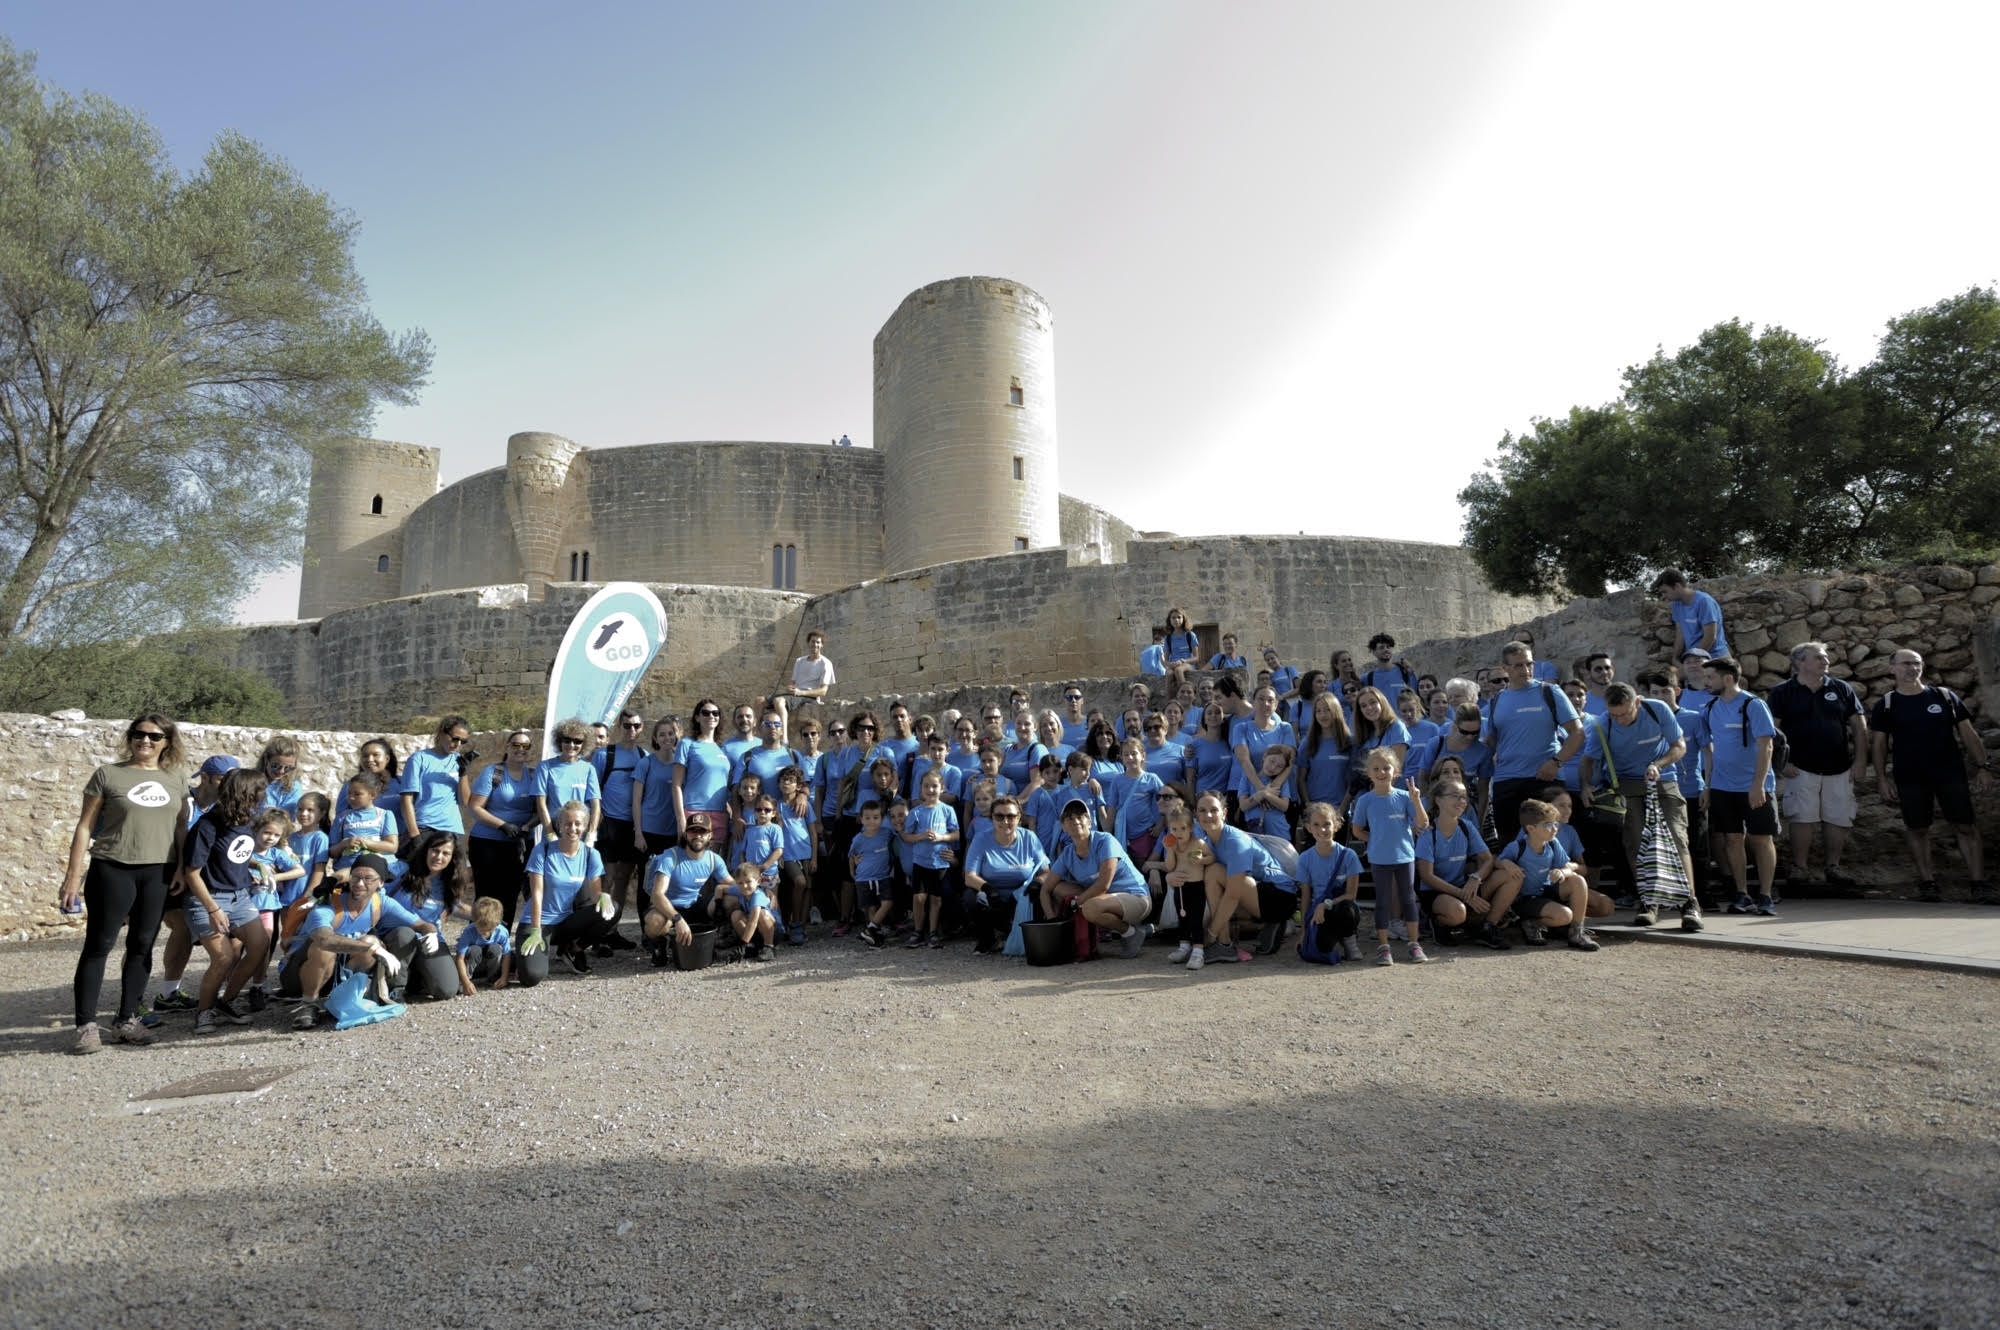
x: 927, y: 881
x: 1951, y: 794
x: 1811, y: 797
x: 868, y: 895
x: 1730, y: 814
x: 1528, y: 909
x: 614, y: 842
x: 240, y: 906
x: 1136, y: 905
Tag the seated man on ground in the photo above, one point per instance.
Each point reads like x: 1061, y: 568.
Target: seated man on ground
x: 343, y: 934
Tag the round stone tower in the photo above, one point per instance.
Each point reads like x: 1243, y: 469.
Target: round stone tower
x: 965, y: 418
x: 361, y: 491
x: 543, y: 496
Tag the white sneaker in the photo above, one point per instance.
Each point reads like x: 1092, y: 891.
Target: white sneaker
x: 1398, y: 933
x: 1179, y: 955
x: 1196, y: 959
x: 1352, y: 946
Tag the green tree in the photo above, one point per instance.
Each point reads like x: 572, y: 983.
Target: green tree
x: 122, y: 679
x: 1752, y: 449
x: 170, y: 349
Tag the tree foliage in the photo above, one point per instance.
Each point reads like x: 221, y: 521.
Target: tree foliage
x: 1752, y: 449
x: 124, y: 679
x: 170, y: 349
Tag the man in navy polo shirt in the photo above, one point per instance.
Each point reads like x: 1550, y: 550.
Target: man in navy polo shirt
x: 1827, y: 730
x: 1926, y: 727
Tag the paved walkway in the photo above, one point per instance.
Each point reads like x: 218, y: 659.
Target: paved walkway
x: 1951, y: 936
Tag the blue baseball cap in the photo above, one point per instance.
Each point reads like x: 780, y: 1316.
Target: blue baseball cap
x: 219, y: 765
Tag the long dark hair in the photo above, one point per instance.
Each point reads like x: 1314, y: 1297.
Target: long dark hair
x: 1317, y: 733
x: 1100, y: 732
x: 394, y: 766
x: 242, y: 793
x: 451, y: 882
x: 697, y: 722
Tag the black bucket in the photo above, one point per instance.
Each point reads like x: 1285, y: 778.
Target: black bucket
x: 699, y: 953
x: 1052, y: 942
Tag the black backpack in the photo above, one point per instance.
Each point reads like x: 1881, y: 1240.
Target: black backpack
x: 1781, y: 747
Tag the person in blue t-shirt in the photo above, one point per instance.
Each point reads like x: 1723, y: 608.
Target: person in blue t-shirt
x: 871, y: 865
x: 1331, y: 875
x: 1390, y: 672
x: 504, y: 819
x: 1534, y: 879
x: 565, y: 898
x: 1533, y: 730
x: 1153, y: 659
x: 1250, y: 882
x: 617, y: 766
x: 1230, y: 657
x: 1180, y: 639
x: 568, y: 778
x: 365, y: 828
x: 432, y: 786
x: 485, y: 953
x: 1742, y: 787
x: 1000, y: 863
x: 930, y: 829
x: 1091, y: 869
x: 1452, y: 860
x: 1387, y: 819
x: 682, y: 881
x: 344, y: 932
x: 1697, y: 618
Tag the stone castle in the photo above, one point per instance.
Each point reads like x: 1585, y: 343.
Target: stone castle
x: 945, y: 554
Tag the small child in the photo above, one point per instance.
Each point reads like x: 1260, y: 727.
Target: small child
x: 763, y: 844
x: 1041, y: 811
x: 1136, y: 792
x: 1452, y: 861
x: 1078, y: 783
x: 742, y: 813
x: 1388, y: 819
x: 1534, y: 877
x: 280, y: 882
x: 990, y: 760
x: 491, y: 952
x: 1188, y: 863
x: 1332, y: 875
x: 871, y: 864
x: 796, y: 825
x: 363, y: 828
x: 310, y: 842
x: 749, y: 908
x: 936, y: 756
x: 1267, y: 812
x: 930, y: 828
x: 983, y: 795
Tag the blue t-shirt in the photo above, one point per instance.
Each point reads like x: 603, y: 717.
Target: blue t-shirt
x: 1447, y: 851
x: 1696, y: 615
x: 310, y: 849
x: 1137, y: 800
x: 1324, y: 772
x: 1017, y: 762
x: 1223, y: 661
x: 1394, y: 733
x: 1006, y: 867
x: 734, y: 748
x: 899, y: 751
x: 1522, y: 730
x: 563, y: 876
x: 278, y: 859
x: 763, y: 763
x: 964, y: 760
x: 472, y: 937
x: 1181, y: 646
x: 1244, y: 734
x: 1044, y: 809
x: 926, y: 818
x: 1075, y: 865
x: 759, y: 843
x: 1387, y: 819
x: 431, y: 778
x: 833, y: 768
x: 1327, y: 874
x: 686, y: 874
x: 1284, y: 680
x: 615, y: 773
x: 1732, y: 757
x: 1422, y: 732
x: 1268, y: 821
x: 704, y: 774
x: 1240, y: 852
x: 1153, y: 661
x: 391, y: 917
x: 798, y: 834
x: 1476, y: 758
x: 559, y: 782
x: 1536, y: 865
x: 655, y: 778
x: 871, y: 855
x: 1692, y: 768
x: 285, y: 796
x: 1391, y: 679
x: 1634, y: 747
x: 373, y: 823
x: 952, y: 779
x: 1168, y: 762
x: 1075, y: 732
x: 430, y: 909
x: 1214, y: 766
x: 508, y: 799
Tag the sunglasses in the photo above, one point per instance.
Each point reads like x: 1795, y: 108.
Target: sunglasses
x: 1006, y: 817
x: 838, y: 732
x: 456, y: 739
x: 280, y: 769
x: 1072, y: 697
x: 145, y: 736
x: 708, y: 711
x: 569, y: 743
x: 864, y: 729
x: 634, y: 725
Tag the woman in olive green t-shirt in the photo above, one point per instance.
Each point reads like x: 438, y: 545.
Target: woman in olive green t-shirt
x: 131, y: 828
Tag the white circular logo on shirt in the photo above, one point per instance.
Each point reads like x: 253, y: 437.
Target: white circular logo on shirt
x: 241, y: 849
x: 149, y: 794
x: 1831, y: 696
x: 1935, y: 709
x: 615, y: 642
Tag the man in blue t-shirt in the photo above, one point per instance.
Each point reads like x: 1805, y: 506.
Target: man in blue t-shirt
x: 1390, y: 672
x: 1742, y: 788
x: 1697, y: 618
x: 1533, y: 729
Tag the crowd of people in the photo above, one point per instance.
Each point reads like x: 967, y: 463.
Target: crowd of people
x: 1225, y: 806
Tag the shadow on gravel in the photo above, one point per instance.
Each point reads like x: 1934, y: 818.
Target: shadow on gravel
x: 1356, y: 1206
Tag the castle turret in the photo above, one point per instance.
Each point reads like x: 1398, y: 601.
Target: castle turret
x: 361, y: 491
x: 965, y: 417
x: 545, y: 493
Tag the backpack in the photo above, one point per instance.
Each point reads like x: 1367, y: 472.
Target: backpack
x: 1318, y: 945
x: 1781, y: 747
x: 1492, y: 709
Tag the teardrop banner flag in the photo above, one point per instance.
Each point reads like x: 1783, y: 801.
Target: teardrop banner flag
x: 610, y: 642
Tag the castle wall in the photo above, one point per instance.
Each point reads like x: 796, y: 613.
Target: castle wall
x: 1093, y: 535
x: 354, y: 553
x: 462, y: 537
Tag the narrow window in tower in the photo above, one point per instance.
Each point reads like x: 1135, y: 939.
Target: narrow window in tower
x: 1020, y: 542
x: 791, y: 567
x: 1013, y: 392
x: 376, y: 507
x: 572, y: 566
x: 777, y: 567
x: 1020, y: 472
x: 381, y: 563
x: 586, y: 567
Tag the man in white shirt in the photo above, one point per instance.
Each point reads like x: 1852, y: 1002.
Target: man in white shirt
x: 812, y: 673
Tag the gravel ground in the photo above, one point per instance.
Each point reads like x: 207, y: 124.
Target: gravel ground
x: 1649, y: 1136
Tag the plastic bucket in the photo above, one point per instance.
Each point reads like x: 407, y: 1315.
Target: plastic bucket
x: 699, y: 953
x: 1051, y: 942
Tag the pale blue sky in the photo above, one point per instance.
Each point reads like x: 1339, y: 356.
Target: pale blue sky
x: 1345, y: 246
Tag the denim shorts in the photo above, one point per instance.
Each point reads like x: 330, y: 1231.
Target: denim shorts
x: 240, y: 906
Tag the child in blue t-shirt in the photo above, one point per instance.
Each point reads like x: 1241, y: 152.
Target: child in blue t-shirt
x: 280, y: 880
x: 930, y: 829
x: 365, y: 828
x: 871, y: 866
x: 309, y: 842
x: 485, y: 953
x: 762, y: 845
x: 1534, y: 877
x: 1388, y: 819
x: 1267, y: 811
x: 749, y: 907
x: 1331, y: 874
x: 1452, y: 861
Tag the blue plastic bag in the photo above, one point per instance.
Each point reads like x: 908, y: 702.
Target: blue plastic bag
x: 1024, y: 912
x: 351, y: 1006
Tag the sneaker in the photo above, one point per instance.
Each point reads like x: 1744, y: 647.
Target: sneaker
x: 1197, y: 957
x: 305, y: 1015
x: 206, y: 1023
x: 763, y: 953
x: 1742, y: 904
x: 1416, y: 950
x: 1531, y: 933
x: 1691, y: 918
x: 814, y: 917
x: 1384, y: 956
x: 1397, y: 933
x: 577, y: 960
x: 236, y: 1011
x: 1179, y: 955
x: 1489, y: 936
x: 796, y: 936
x: 1222, y: 953
x: 1765, y: 905
x: 1135, y: 941
x: 175, y: 1000
x: 619, y: 942
x: 152, y: 1020
x: 1646, y: 918
x: 1267, y: 938
x: 935, y: 941
x: 873, y: 936
x: 132, y: 1032
x: 259, y: 999
x: 662, y: 953
x: 913, y: 941
x: 842, y: 930
x: 1840, y: 878
x: 87, y: 1039
x: 1928, y: 891
x: 1580, y: 938
x: 1351, y: 945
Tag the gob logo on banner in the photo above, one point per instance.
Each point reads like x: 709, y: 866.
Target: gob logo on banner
x: 615, y: 643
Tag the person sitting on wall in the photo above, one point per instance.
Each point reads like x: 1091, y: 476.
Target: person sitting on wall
x: 1153, y: 659
x: 1230, y: 657
x: 812, y: 673
x: 1697, y: 618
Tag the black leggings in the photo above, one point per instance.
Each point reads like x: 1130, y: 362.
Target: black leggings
x: 583, y: 927
x: 116, y: 895
x: 1194, y: 908
x: 499, y: 871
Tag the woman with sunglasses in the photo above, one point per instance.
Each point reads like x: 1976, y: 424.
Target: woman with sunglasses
x: 280, y: 764
x: 131, y: 826
x: 654, y: 828
x: 433, y: 785
x: 1001, y: 862
x: 503, y: 823
x: 701, y: 769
